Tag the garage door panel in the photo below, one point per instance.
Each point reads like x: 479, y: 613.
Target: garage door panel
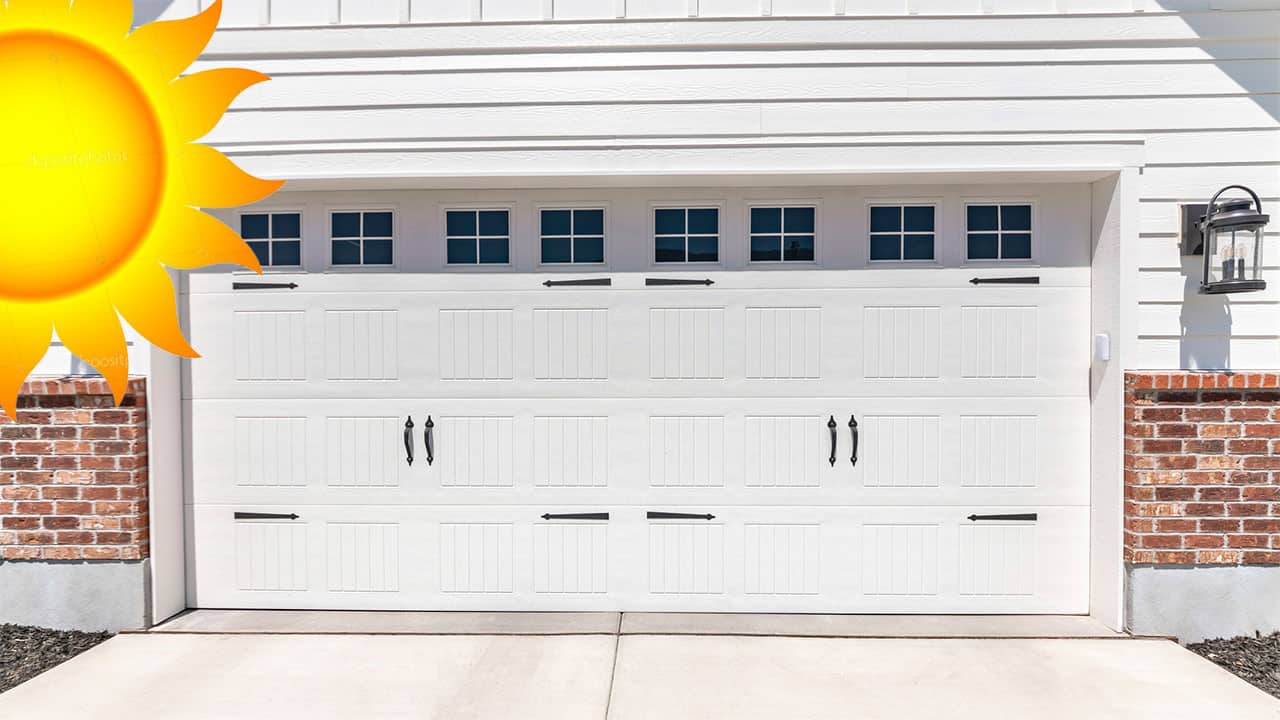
x: 697, y: 417
x: 941, y: 451
x: 717, y: 342
x: 805, y: 560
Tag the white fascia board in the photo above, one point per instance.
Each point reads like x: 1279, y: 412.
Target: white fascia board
x: 1075, y: 162
x: 836, y: 31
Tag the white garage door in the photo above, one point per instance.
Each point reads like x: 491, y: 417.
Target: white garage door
x: 642, y: 445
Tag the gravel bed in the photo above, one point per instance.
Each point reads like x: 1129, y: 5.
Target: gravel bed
x: 1256, y: 659
x: 26, y: 651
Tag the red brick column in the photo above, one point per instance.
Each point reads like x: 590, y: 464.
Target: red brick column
x: 73, y: 473
x: 1202, y: 468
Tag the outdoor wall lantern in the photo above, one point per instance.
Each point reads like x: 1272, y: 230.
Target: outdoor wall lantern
x: 1229, y: 236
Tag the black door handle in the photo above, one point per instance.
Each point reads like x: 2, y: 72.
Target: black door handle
x: 853, y: 430
x: 428, y: 437
x: 831, y: 427
x: 1014, y: 516
x: 263, y: 286
x: 576, y: 516
x: 579, y: 283
x: 661, y: 282
x: 408, y: 440
x: 1029, y: 280
x: 265, y: 516
x: 678, y: 516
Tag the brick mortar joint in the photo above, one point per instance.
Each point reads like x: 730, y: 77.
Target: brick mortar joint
x: 92, y: 386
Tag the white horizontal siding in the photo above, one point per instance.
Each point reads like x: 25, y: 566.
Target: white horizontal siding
x: 760, y: 84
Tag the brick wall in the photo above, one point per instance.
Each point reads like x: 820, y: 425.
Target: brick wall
x: 1202, y: 468
x: 73, y: 473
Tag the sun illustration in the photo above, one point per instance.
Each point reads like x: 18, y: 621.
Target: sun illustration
x: 101, y: 180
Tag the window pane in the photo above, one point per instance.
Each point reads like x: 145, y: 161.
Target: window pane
x: 346, y: 225
x: 287, y: 253
x: 262, y: 250
x: 494, y: 251
x: 669, y: 249
x: 286, y: 225
x: 704, y: 222
x: 556, y: 250
x: 377, y: 225
x: 494, y: 224
x: 704, y: 249
x: 798, y: 248
x: 556, y: 222
x: 984, y: 246
x: 461, y: 252
x: 917, y: 247
x: 668, y: 222
x: 766, y: 220
x: 886, y: 247
x: 377, y: 252
x: 460, y: 222
x: 917, y: 219
x: 982, y: 217
x: 253, y: 227
x: 1015, y: 217
x: 766, y: 248
x: 886, y: 219
x: 588, y: 250
x: 346, y: 252
x: 588, y: 222
x: 1017, y: 246
x: 799, y: 220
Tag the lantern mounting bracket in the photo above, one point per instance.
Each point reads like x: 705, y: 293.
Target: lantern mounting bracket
x: 1192, y: 239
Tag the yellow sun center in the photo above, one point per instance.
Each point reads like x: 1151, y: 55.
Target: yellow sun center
x: 88, y: 133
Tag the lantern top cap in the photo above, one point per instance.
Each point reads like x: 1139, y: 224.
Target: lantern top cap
x: 1234, y: 213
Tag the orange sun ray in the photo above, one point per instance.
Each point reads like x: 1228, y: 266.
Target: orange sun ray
x: 169, y: 47
x: 187, y: 238
x: 26, y: 332
x: 206, y: 178
x: 144, y: 296
x: 199, y: 100
x: 89, y: 327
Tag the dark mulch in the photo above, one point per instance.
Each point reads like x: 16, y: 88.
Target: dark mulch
x: 1256, y: 659
x: 26, y: 651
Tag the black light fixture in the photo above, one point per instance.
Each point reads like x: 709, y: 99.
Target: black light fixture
x: 1229, y: 235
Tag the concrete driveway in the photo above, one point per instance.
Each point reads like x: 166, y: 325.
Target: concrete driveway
x: 625, y: 677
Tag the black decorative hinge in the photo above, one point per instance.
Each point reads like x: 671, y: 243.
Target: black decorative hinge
x: 1029, y: 280
x: 576, y: 516
x: 678, y: 516
x: 579, y: 283
x: 1015, y: 516
x: 677, y: 281
x: 263, y: 286
x: 265, y: 516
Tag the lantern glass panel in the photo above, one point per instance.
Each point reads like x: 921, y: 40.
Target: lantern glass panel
x: 1235, y: 254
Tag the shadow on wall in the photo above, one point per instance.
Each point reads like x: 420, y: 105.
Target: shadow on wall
x: 1207, y: 25
x: 1205, y: 342
x: 145, y: 11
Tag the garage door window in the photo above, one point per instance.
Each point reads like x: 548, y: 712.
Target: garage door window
x: 902, y: 232
x: 999, y: 232
x: 478, y: 237
x: 362, y: 238
x: 782, y: 234
x: 573, y: 236
x: 686, y: 235
x: 276, y: 238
